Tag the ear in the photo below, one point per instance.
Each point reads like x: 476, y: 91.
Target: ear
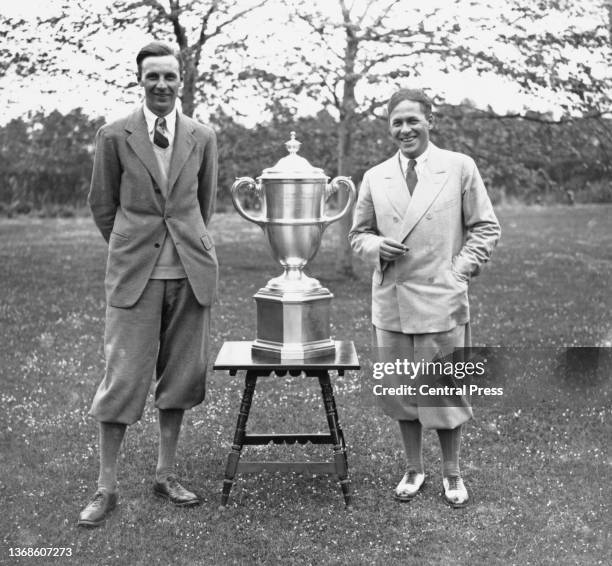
x: 430, y: 122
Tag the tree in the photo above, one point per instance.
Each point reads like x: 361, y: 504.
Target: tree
x: 358, y: 53
x: 193, y: 26
x: 203, y: 30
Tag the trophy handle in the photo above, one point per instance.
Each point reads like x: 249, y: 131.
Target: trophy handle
x: 250, y: 184
x: 332, y: 188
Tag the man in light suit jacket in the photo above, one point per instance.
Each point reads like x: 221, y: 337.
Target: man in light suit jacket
x: 425, y: 224
x: 152, y: 196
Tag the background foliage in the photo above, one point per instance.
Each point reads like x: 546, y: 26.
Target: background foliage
x: 46, y: 160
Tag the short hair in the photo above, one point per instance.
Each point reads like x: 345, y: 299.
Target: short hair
x: 412, y: 94
x: 157, y: 49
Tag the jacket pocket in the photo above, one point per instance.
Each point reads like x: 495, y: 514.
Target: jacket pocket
x: 207, y: 241
x: 119, y: 235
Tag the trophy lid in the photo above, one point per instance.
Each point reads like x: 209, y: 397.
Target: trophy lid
x: 293, y: 166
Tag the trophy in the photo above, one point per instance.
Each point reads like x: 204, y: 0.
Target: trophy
x: 293, y: 309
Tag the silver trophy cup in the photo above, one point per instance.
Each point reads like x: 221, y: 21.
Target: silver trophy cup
x: 293, y: 309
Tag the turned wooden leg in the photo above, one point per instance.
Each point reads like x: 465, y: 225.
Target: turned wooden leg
x: 340, y: 458
x: 234, y: 456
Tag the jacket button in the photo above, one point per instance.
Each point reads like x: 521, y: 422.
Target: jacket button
x: 156, y: 245
x: 429, y: 216
x: 395, y: 219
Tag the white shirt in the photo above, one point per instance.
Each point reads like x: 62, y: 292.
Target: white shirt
x: 420, y: 162
x: 170, y: 124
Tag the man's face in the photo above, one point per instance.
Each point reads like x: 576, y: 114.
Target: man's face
x: 409, y: 128
x: 160, y: 78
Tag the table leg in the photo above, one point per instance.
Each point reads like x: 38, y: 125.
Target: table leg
x: 340, y: 459
x: 250, y: 381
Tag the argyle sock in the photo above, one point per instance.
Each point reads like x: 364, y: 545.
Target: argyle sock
x: 111, y: 437
x: 170, y: 421
x: 450, y: 443
x: 412, y: 436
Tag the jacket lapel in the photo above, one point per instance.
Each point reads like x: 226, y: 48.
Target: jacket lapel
x: 184, y: 142
x: 139, y: 141
x: 430, y: 183
x: 395, y: 188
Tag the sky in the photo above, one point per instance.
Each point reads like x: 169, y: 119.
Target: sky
x: 73, y: 90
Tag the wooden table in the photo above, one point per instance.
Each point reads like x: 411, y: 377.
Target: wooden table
x: 237, y: 356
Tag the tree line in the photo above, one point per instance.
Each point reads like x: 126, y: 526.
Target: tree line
x: 46, y: 159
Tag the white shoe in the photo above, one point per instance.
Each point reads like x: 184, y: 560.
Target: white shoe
x: 454, y: 491
x: 409, y: 486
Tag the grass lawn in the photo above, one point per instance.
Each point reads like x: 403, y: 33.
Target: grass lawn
x: 536, y: 460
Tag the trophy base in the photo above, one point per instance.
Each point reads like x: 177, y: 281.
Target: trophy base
x: 293, y: 325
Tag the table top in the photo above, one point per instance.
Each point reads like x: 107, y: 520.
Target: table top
x: 238, y: 355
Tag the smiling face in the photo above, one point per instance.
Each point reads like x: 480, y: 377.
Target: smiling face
x: 161, y: 79
x: 409, y: 127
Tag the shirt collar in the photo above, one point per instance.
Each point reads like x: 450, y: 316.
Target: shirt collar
x: 170, y: 121
x: 420, y: 160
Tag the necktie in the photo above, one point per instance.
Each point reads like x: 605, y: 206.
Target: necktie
x: 159, y: 139
x: 411, y: 176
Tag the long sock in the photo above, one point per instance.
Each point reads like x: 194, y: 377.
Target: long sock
x: 170, y: 421
x: 450, y: 442
x: 412, y: 436
x: 111, y: 437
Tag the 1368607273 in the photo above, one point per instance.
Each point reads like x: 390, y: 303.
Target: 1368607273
x: 40, y: 551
